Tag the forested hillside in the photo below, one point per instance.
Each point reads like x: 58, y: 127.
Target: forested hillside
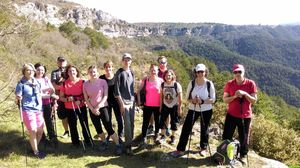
x: 271, y: 54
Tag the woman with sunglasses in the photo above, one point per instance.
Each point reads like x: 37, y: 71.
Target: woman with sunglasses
x: 200, y: 106
x: 239, y: 93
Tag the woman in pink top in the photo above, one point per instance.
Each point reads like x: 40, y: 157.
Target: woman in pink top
x: 47, y: 92
x: 71, y: 93
x: 152, y: 103
x: 95, y: 92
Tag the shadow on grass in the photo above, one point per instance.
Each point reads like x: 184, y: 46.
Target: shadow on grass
x: 149, y: 158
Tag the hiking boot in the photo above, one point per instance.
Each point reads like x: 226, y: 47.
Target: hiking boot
x: 103, y: 146
x: 66, y: 134
x: 172, y: 142
x: 177, y: 154
x: 150, y: 130
x: 40, y: 155
x: 203, y: 152
x: 118, y: 150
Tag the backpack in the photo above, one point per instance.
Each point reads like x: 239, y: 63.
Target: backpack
x: 227, y: 152
x: 143, y: 93
x: 208, y: 83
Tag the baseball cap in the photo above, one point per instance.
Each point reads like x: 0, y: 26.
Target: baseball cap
x: 238, y: 67
x: 126, y: 55
x: 200, y: 67
x: 61, y: 58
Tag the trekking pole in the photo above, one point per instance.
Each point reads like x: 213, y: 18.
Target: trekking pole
x: 244, y: 131
x: 203, y: 124
x: 54, y: 125
x: 85, y: 127
x: 76, y: 128
x: 193, y: 116
x: 22, y: 123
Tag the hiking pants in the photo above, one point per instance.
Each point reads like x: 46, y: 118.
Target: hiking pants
x: 128, y: 117
x: 106, y: 121
x: 188, y: 125
x: 243, y: 129
x: 147, y: 113
x: 47, y: 110
x: 115, y: 106
x: 165, y: 112
x: 72, y: 120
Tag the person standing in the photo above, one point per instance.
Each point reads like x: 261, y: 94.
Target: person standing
x: 58, y: 76
x: 28, y: 96
x: 124, y: 92
x: 201, y: 96
x: 47, y: 93
x: 111, y: 100
x: 239, y: 93
x: 171, y: 96
x: 152, y: 87
x: 71, y: 93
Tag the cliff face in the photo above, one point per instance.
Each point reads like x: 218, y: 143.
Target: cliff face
x: 104, y: 22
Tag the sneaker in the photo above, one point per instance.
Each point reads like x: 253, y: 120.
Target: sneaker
x: 40, y: 155
x: 103, y: 146
x: 203, y: 152
x: 168, y: 133
x: 162, y: 139
x: 172, y: 142
x: 118, y: 150
x: 66, y: 134
x: 150, y: 130
x: 177, y: 154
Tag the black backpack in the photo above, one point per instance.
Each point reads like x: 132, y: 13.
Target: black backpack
x: 208, y: 83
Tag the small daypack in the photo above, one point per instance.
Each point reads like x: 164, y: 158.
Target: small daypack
x: 143, y: 93
x: 227, y: 152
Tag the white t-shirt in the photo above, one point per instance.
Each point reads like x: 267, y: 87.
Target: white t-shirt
x: 202, y: 92
x: 170, y: 96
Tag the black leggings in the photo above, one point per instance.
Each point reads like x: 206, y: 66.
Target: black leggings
x: 49, y: 120
x: 113, y: 104
x: 165, y: 112
x: 188, y: 125
x: 147, y: 112
x: 106, y: 121
x: 243, y: 129
x: 72, y: 120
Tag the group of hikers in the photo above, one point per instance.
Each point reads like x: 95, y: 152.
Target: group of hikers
x: 159, y: 93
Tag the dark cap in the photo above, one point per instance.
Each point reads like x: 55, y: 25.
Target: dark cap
x: 61, y: 58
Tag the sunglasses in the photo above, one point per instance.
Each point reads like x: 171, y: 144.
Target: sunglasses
x: 237, y: 72
x: 200, y: 71
x: 163, y: 62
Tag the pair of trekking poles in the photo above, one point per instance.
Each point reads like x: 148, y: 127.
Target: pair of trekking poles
x: 203, y: 124
x: 81, y: 119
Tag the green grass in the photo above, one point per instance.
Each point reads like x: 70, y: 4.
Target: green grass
x: 14, y: 151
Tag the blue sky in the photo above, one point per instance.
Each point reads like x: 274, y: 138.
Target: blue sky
x: 236, y: 12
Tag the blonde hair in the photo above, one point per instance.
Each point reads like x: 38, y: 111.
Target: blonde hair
x: 27, y: 66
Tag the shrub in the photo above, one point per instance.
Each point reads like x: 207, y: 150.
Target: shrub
x: 68, y: 28
x: 97, y: 39
x: 271, y: 140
